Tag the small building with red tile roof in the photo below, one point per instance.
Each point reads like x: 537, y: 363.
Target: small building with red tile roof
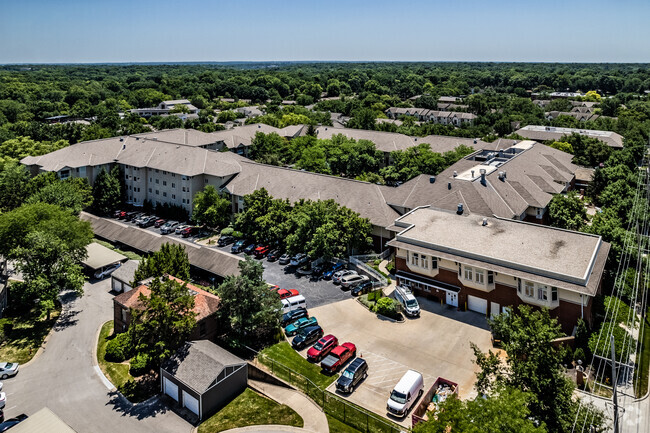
x: 205, y: 305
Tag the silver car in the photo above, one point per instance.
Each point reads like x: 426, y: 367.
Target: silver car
x: 336, y: 278
x: 8, y: 369
x: 350, y: 281
x: 168, y: 227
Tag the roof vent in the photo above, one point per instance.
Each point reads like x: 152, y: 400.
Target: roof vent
x: 502, y: 176
x: 432, y: 179
x: 259, y: 126
x: 121, y: 138
x: 459, y: 211
x: 485, y: 222
x: 455, y: 173
x: 415, y: 139
x: 472, y: 173
x: 482, y: 171
x: 475, y: 141
x: 448, y: 185
x: 124, y: 146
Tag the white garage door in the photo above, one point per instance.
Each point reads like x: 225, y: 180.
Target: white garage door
x: 117, y: 285
x: 190, y: 402
x: 171, y: 389
x: 477, y: 304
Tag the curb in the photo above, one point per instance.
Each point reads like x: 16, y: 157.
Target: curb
x: 98, y: 370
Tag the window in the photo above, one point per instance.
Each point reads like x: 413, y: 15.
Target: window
x: 206, y: 181
x: 149, y: 189
x: 164, y: 172
x: 529, y: 289
x: 164, y: 183
x: 156, y: 170
x: 434, y: 262
x: 460, y: 270
x: 173, y: 174
x: 164, y: 194
x: 479, y: 276
x: 518, y: 284
x: 150, y: 179
x: 157, y: 181
x: 124, y: 312
x: 183, y: 189
x: 173, y: 185
x: 64, y: 174
x: 157, y: 192
x: 490, y: 277
x: 542, y: 293
x: 425, y: 263
x: 414, y: 259
x: 468, y: 273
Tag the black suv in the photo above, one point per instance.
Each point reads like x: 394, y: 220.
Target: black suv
x: 238, y: 246
x: 306, y: 336
x: 362, y: 288
x: 292, y: 316
x: 225, y: 240
x: 350, y: 378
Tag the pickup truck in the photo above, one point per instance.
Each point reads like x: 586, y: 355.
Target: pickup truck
x: 338, y: 357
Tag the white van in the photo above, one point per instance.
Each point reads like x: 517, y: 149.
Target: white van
x: 293, y: 303
x: 408, y: 301
x: 405, y: 394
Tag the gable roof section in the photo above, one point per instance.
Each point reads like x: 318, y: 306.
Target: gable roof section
x: 198, y: 364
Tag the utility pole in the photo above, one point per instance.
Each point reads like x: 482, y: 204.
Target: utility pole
x: 614, y: 383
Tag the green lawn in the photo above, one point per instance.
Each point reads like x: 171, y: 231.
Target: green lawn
x: 116, y: 372
x: 24, y: 335
x: 251, y: 408
x: 284, y: 354
x: 337, y: 426
x: 642, y: 370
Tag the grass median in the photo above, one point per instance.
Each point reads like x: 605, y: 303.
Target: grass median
x: 284, y: 361
x: 22, y: 335
x: 250, y: 408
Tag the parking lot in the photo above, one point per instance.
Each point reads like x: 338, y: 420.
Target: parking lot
x: 437, y: 345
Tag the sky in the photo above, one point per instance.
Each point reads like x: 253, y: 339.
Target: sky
x: 99, y: 31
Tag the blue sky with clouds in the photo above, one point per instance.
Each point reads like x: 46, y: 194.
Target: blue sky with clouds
x: 46, y: 31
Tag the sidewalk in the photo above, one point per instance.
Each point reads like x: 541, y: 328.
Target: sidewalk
x: 313, y: 417
x: 391, y: 287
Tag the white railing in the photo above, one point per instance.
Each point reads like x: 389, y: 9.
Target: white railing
x: 362, y: 267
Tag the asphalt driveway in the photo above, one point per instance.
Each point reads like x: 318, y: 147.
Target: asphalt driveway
x: 435, y: 344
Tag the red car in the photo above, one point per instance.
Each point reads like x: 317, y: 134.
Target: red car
x: 189, y: 231
x: 338, y: 357
x: 322, y: 347
x: 159, y: 222
x: 261, y: 251
x: 287, y: 293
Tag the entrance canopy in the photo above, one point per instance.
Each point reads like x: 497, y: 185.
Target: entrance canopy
x: 99, y: 256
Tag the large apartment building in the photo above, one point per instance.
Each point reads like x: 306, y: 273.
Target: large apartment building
x: 489, y: 264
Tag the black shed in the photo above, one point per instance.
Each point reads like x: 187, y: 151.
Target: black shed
x: 203, y: 377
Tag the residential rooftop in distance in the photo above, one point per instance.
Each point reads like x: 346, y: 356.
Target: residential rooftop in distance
x: 543, y: 133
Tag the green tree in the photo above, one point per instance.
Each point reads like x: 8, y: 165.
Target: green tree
x: 504, y: 412
x: 20, y: 147
x: 74, y: 194
x: 14, y: 185
x: 165, y: 320
x: 170, y: 259
x: 107, y: 193
x: 48, y: 244
x: 567, y: 211
x: 249, y: 311
x: 532, y: 365
x: 563, y: 146
x: 363, y: 118
x: 211, y: 208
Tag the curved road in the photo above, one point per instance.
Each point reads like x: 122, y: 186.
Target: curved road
x: 64, y: 379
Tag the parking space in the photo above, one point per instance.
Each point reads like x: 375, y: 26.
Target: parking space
x: 437, y: 344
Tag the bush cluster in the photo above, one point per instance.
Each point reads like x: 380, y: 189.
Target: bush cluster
x: 119, y: 348
x: 140, y: 364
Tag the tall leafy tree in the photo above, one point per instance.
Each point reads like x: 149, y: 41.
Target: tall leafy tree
x: 211, y: 208
x: 169, y: 259
x: 249, y: 312
x: 165, y: 320
x: 14, y: 185
x: 567, y: 211
x: 74, y: 194
x: 107, y: 193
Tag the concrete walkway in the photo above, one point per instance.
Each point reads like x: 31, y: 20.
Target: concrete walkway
x: 388, y: 290
x: 314, y: 419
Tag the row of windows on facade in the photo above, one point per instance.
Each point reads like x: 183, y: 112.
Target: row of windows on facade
x: 528, y: 288
x: 183, y: 177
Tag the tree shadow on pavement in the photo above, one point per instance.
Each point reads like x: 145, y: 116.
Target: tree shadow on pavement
x: 68, y: 312
x: 147, y: 409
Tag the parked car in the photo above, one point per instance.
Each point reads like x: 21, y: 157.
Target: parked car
x: 136, y: 218
x: 350, y: 281
x: 238, y: 246
x: 249, y: 249
x: 405, y: 394
x: 317, y: 271
x: 103, y: 273
x: 190, y: 231
x: 287, y: 293
x: 338, y: 357
x: 293, y: 303
x: 336, y: 278
x: 147, y: 221
x: 3, y: 400
x: 168, y: 227
x: 7, y: 424
x: 362, y: 288
x: 307, y: 336
x: 117, y: 213
x: 261, y: 251
x: 225, y: 240
x: 284, y: 259
x: 322, y: 347
x: 273, y: 255
x: 299, y: 260
x: 8, y: 369
x: 179, y: 228
x: 293, y: 315
x: 130, y: 215
x: 159, y: 222
x: 121, y: 215
x: 351, y: 376
x: 408, y: 301
x: 327, y: 275
x: 293, y: 328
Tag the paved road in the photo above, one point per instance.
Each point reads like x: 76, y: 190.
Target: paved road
x: 63, y: 377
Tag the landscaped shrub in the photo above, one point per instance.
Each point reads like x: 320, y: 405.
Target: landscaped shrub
x: 119, y: 348
x: 387, y: 307
x: 140, y: 364
x: 237, y: 234
x: 227, y: 231
x: 579, y: 354
x: 390, y: 267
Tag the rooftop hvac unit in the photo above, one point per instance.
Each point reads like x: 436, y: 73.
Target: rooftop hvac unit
x: 455, y: 173
x: 432, y: 179
x: 485, y: 222
x: 459, y: 211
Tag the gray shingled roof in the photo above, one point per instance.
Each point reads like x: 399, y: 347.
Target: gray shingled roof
x: 126, y: 271
x: 208, y: 259
x: 198, y: 363
x: 543, y: 133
